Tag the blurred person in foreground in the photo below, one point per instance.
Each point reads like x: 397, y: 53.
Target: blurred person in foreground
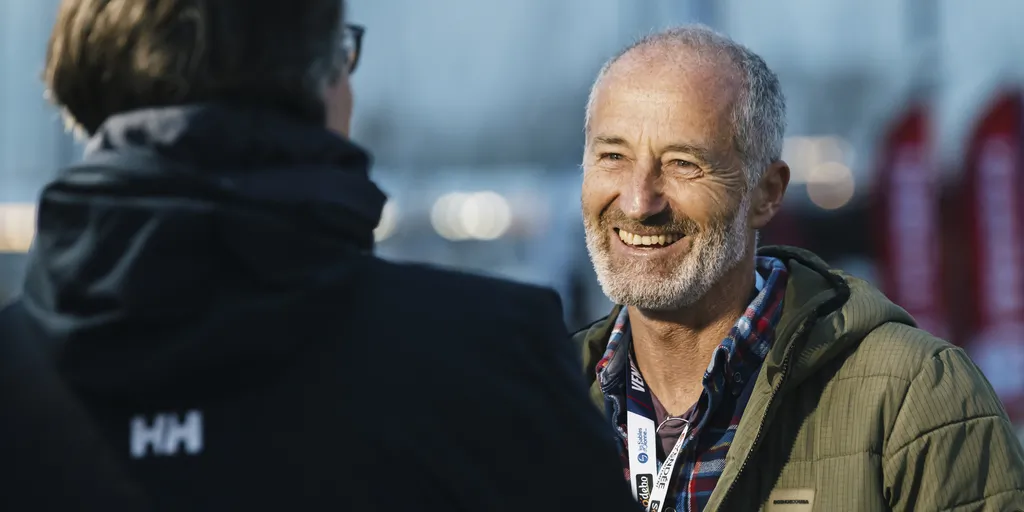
x: 741, y: 378
x: 206, y: 278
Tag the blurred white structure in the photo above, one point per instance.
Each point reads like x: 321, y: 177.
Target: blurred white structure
x: 476, y: 98
x: 33, y: 143
x: 474, y: 84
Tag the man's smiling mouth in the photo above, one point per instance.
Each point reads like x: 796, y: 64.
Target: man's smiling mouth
x: 652, y: 240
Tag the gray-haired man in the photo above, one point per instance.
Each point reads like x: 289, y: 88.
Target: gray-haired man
x: 739, y: 378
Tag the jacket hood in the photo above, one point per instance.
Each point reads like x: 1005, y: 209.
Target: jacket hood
x: 826, y: 313
x: 163, y: 252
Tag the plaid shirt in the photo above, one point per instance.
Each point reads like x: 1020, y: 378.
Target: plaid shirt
x: 727, y: 385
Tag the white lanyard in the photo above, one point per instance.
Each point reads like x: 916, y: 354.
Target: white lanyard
x: 650, y: 486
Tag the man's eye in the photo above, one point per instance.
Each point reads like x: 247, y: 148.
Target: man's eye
x: 683, y: 163
x: 611, y: 156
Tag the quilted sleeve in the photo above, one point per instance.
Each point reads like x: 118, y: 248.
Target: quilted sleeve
x: 952, y: 447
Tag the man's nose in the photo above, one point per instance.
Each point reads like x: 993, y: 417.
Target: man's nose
x: 643, y: 196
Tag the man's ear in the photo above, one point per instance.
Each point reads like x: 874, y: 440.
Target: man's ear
x: 338, y: 105
x: 767, y: 196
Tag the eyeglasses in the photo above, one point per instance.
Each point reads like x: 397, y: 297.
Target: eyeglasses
x: 352, y: 44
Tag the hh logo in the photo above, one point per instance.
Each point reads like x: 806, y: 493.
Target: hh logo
x: 167, y: 434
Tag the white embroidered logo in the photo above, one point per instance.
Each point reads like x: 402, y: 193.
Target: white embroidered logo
x: 167, y: 434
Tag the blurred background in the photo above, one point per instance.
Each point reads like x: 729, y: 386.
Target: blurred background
x: 904, y: 142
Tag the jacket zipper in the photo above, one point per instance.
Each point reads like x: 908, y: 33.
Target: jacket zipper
x: 784, y: 369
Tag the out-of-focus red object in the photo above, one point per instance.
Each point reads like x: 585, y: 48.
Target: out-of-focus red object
x: 905, y: 220
x: 989, y: 197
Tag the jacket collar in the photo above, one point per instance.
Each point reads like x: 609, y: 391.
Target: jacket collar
x: 211, y: 136
x: 262, y: 153
x: 825, y: 315
x: 812, y: 294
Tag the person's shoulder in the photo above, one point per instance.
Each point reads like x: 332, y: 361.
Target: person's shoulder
x: 932, y: 384
x: 434, y: 287
x: 420, y: 274
x: 898, y: 349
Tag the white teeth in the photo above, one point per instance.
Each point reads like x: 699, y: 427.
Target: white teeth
x: 634, y: 239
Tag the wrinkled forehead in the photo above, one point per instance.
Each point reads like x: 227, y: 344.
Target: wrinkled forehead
x: 670, y: 92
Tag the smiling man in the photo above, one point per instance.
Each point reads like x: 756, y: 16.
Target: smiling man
x: 737, y: 378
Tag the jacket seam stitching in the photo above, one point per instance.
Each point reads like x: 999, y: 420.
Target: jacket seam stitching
x: 827, y: 457
x: 889, y: 376
x: 931, y: 431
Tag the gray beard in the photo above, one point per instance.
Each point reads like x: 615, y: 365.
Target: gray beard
x: 715, y: 251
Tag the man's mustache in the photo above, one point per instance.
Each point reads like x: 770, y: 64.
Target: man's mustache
x: 662, y: 221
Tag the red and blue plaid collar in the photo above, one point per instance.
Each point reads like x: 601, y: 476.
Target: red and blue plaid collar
x: 738, y: 356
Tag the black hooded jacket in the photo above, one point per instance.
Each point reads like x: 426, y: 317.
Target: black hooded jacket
x: 206, y: 283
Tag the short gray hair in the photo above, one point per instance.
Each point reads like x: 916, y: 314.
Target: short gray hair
x: 759, y: 115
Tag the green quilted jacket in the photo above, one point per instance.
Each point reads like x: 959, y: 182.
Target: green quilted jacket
x: 856, y: 409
